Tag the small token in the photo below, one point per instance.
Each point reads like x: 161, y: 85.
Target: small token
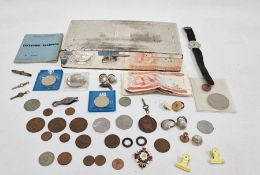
x: 112, y: 141
x: 162, y: 145
x: 125, y: 101
x: 47, y: 112
x: 83, y: 141
x: 46, y: 136
x: 78, y: 125
x: 89, y: 160
x: 46, y: 158
x: 100, y: 160
x: 118, y: 164
x: 218, y: 101
x: 147, y: 124
x: 124, y: 122
x: 48, y: 80
x: 57, y: 125
x: 32, y: 105
x: 101, y: 125
x: 206, y: 87
x: 64, y: 158
x: 205, y: 127
x: 196, y: 140
x: 35, y: 124
x: 70, y: 111
x: 64, y: 137
x: 177, y: 106
x: 101, y: 101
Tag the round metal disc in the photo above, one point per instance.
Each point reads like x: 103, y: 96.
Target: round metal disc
x: 100, y: 160
x: 47, y: 112
x: 46, y: 158
x: 57, y: 125
x: 76, y: 80
x: 162, y: 145
x: 78, y: 125
x: 89, y: 160
x: 147, y: 124
x: 49, y: 80
x: 64, y: 158
x: 112, y: 141
x: 83, y: 141
x: 101, y: 125
x: 218, y: 101
x: 64, y: 137
x: 206, y: 87
x: 101, y: 101
x: 124, y: 122
x: 32, y: 105
x: 205, y: 127
x: 35, y: 124
x: 46, y: 136
x: 125, y: 101
x: 118, y: 164
x: 70, y: 111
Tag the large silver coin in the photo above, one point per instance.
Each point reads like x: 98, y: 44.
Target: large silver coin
x: 101, y: 101
x: 205, y: 127
x: 76, y: 80
x: 124, y: 122
x: 31, y: 105
x: 101, y: 125
x: 46, y: 158
x: 218, y: 101
x: 125, y: 101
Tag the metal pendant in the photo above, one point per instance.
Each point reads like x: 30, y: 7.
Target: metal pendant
x: 147, y: 124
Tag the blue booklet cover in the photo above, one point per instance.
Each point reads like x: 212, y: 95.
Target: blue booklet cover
x: 37, y: 48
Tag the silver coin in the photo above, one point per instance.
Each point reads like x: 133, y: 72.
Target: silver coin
x: 46, y: 158
x: 101, y: 125
x: 48, y: 80
x: 31, y: 105
x: 205, y: 127
x: 76, y: 80
x: 196, y: 140
x: 218, y: 101
x: 101, y: 101
x: 125, y: 101
x: 124, y: 122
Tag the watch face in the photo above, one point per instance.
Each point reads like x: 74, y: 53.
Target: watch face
x: 194, y: 44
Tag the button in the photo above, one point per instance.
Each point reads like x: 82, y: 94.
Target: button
x: 177, y: 106
x: 184, y: 137
x: 197, y: 140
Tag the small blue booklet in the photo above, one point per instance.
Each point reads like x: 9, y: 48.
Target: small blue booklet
x: 39, y: 48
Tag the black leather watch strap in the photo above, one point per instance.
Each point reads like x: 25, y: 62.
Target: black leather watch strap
x: 198, y: 55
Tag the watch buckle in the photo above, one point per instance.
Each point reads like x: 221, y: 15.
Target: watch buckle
x: 194, y: 44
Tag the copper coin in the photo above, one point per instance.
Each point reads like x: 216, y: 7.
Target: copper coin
x: 177, y: 106
x: 64, y: 158
x: 47, y: 112
x: 70, y: 111
x: 35, y: 124
x: 206, y: 87
x: 57, y: 125
x: 88, y: 160
x: 100, y: 160
x: 147, y: 124
x: 64, y: 137
x: 162, y: 145
x: 78, y: 125
x: 83, y: 141
x: 118, y: 164
x: 46, y: 136
x: 112, y: 141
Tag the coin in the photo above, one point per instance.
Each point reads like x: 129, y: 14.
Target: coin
x: 70, y: 111
x: 88, y: 160
x: 112, y: 141
x: 162, y: 145
x: 147, y: 124
x: 31, y: 105
x: 46, y: 136
x: 196, y: 140
x: 57, y: 125
x: 206, y: 87
x: 64, y: 158
x: 118, y: 164
x: 64, y: 137
x: 35, y: 124
x: 205, y: 127
x: 101, y: 101
x: 47, y: 112
x: 100, y: 160
x: 83, y: 141
x: 101, y: 125
x: 124, y: 122
x: 177, y: 106
x: 48, y: 80
x: 78, y: 125
x: 76, y: 80
x: 125, y: 101
x: 46, y: 158
x: 218, y: 101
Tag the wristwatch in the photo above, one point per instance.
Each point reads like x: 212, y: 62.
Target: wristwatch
x: 195, y: 47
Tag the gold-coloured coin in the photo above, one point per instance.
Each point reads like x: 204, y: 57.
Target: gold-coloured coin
x: 177, y: 106
x: 48, y: 80
x: 101, y: 101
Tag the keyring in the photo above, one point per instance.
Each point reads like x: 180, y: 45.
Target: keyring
x: 141, y: 138
x: 125, y: 144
